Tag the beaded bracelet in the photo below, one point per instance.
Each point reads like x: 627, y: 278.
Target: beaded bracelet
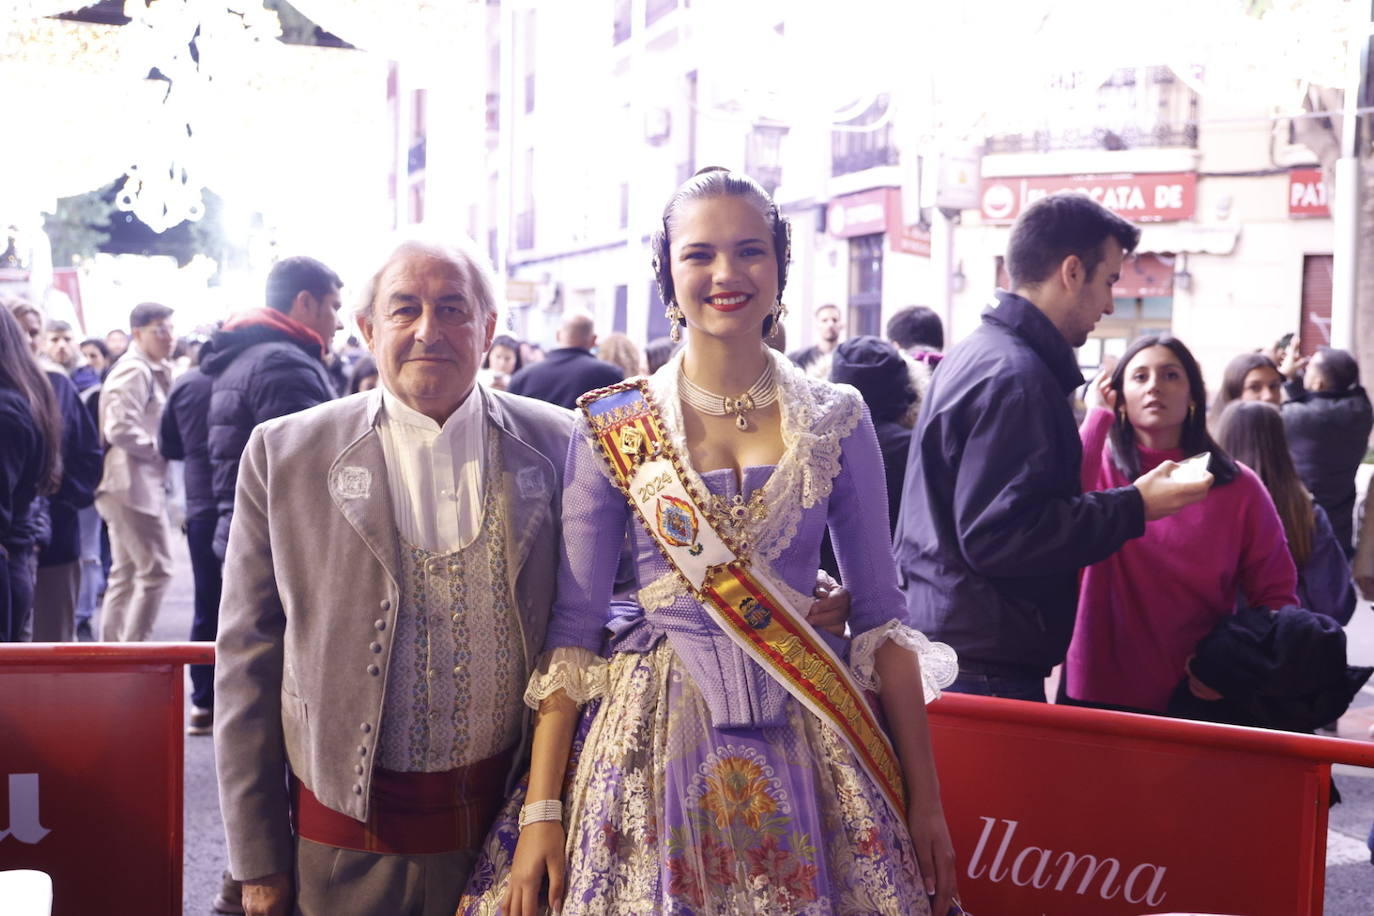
x: 549, y: 809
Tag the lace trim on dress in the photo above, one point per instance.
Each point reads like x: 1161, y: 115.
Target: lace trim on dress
x: 816, y: 417
x: 580, y: 673
x: 661, y: 592
x: 939, y: 663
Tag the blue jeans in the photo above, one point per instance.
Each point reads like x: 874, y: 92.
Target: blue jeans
x: 1007, y: 686
x: 92, y: 571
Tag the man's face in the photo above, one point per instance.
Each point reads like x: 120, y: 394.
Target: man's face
x: 33, y: 326
x: 155, y: 339
x: 322, y: 315
x: 1094, y: 297
x: 61, y: 350
x: 830, y: 325
x: 427, y: 332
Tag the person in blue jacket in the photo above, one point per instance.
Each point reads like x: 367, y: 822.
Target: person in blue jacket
x: 994, y: 525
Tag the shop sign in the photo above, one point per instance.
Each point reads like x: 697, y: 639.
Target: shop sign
x: 864, y: 213
x: 1307, y: 193
x: 875, y: 211
x: 1149, y: 198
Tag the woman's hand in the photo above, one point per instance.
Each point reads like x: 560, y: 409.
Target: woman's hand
x: 1105, y: 391
x: 935, y: 855
x: 539, y: 852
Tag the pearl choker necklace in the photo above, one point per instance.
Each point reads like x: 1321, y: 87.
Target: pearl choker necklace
x: 760, y: 394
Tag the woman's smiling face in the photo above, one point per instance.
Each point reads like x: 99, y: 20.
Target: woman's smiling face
x: 724, y: 268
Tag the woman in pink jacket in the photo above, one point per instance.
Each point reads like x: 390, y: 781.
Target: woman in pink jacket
x: 1142, y: 611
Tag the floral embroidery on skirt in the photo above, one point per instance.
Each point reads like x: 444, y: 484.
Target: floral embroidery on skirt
x: 666, y: 814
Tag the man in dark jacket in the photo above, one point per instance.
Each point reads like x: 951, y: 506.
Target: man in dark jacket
x: 994, y: 525
x: 184, y: 436
x: 568, y: 371
x: 1328, y: 418
x: 267, y: 363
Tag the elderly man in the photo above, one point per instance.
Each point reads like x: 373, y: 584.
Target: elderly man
x: 386, y: 587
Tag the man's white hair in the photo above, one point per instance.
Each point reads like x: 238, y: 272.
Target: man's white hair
x: 458, y: 250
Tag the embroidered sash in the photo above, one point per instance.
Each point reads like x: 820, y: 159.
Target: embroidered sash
x: 743, y: 601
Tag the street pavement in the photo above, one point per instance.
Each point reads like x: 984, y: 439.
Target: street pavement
x: 1349, y: 874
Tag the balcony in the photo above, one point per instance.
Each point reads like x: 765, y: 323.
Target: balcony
x: 1136, y: 108
x: 864, y: 142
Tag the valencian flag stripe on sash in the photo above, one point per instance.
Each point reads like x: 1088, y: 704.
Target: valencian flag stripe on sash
x: 748, y: 606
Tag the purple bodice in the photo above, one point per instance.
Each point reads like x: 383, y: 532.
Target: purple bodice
x: 852, y: 502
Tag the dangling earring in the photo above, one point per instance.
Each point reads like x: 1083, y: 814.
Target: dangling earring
x: 674, y: 314
x: 1192, y: 409
x: 776, y: 314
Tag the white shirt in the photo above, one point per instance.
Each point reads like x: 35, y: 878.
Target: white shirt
x: 434, y: 472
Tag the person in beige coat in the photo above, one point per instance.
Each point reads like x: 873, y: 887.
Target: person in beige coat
x: 132, y: 496
x: 386, y: 587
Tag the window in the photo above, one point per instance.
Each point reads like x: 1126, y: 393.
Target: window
x: 622, y: 309
x: 866, y: 284
x: 1317, y: 285
x: 530, y: 53
x: 865, y: 141
x: 763, y: 155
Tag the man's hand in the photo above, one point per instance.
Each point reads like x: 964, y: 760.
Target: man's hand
x: 1293, y: 361
x: 1164, y: 496
x: 830, y: 610
x: 268, y: 896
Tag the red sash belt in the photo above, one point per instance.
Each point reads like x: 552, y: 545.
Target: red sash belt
x: 412, y: 813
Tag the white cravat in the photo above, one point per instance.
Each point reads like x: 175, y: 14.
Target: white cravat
x: 435, y: 473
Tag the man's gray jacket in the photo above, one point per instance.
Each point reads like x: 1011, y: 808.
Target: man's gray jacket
x: 310, y: 600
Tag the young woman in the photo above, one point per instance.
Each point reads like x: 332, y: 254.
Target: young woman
x: 1143, y: 609
x: 30, y: 464
x: 703, y: 785
x: 1249, y: 377
x: 1252, y: 433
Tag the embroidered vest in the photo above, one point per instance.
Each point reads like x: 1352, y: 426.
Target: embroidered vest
x: 457, y: 669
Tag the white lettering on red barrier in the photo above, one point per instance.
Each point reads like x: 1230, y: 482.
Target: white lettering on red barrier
x: 1036, y: 866
x: 24, y: 824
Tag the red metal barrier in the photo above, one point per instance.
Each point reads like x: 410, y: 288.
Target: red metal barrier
x: 1065, y: 811
x: 91, y: 771
x: 1054, y: 810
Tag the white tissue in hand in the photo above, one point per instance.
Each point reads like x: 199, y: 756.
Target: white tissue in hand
x: 1191, y: 470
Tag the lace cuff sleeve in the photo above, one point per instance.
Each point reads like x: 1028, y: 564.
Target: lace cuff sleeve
x: 939, y: 664
x: 578, y: 672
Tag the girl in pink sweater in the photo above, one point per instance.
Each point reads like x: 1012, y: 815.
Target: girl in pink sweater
x: 1142, y: 611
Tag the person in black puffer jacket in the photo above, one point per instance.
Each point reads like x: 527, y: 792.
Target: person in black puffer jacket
x: 267, y: 363
x: 1328, y: 418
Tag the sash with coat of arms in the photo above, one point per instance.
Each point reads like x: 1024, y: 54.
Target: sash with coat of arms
x: 752, y: 609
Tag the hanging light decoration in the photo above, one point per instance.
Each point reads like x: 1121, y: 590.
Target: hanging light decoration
x: 196, y: 48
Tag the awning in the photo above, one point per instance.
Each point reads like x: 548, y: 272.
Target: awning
x: 1177, y: 238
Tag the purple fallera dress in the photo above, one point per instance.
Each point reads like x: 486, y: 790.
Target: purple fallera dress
x: 698, y: 785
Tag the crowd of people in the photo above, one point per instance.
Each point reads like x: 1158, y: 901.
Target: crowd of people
x: 404, y: 547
